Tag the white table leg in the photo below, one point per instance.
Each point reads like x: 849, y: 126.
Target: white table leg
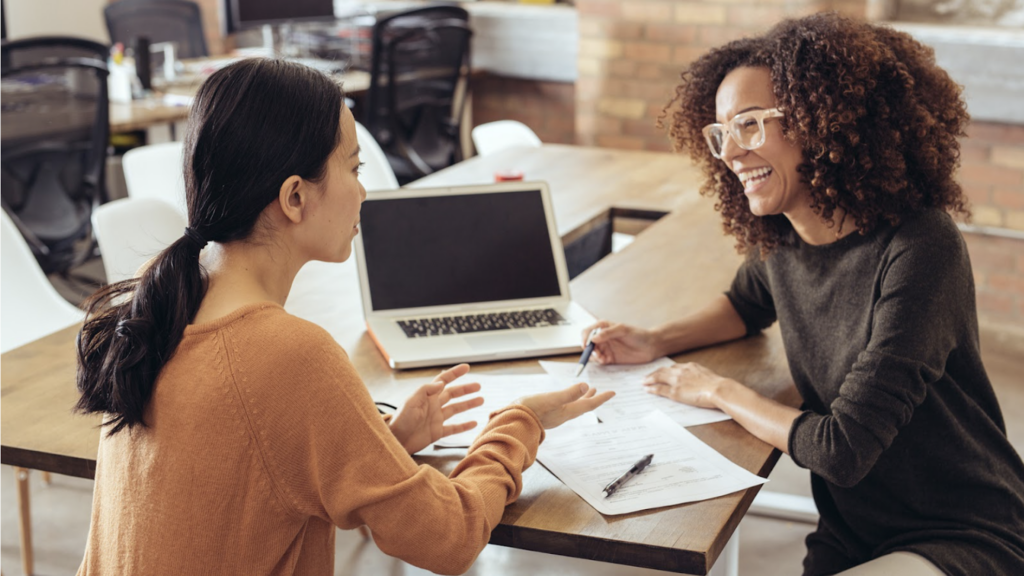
x: 728, y: 563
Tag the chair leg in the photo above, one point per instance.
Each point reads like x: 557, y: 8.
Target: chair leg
x: 47, y: 479
x: 25, y: 518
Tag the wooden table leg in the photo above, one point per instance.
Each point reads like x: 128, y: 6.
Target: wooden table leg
x: 47, y: 479
x: 25, y: 520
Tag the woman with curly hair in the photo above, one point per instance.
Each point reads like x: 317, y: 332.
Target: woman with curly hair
x: 831, y: 145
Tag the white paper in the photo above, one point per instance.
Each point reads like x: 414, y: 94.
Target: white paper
x: 631, y: 400
x: 499, y: 391
x: 684, y: 469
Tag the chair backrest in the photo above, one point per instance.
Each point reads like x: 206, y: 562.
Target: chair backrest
x: 176, y: 21
x: 497, y: 136
x: 376, y: 173
x: 414, y: 105
x: 130, y: 231
x: 31, y: 307
x: 156, y: 171
x: 54, y: 141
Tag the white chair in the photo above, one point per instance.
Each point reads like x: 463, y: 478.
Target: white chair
x: 130, y: 231
x: 156, y: 171
x: 376, y: 173
x: 29, y: 309
x: 501, y: 135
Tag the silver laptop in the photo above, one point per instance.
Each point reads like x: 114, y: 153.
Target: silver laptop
x: 465, y: 274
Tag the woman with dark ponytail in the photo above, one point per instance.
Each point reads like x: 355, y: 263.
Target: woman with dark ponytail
x: 236, y: 436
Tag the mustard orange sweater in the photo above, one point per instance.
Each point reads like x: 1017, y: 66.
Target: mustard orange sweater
x: 260, y: 439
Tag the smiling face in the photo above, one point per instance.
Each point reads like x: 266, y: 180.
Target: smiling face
x: 334, y: 213
x: 768, y: 173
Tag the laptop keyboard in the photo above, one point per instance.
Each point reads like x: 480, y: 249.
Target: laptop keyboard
x: 440, y: 326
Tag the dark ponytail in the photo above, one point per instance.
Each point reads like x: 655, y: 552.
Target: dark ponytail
x: 253, y: 124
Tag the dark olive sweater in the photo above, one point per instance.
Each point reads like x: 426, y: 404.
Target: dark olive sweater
x: 901, y: 429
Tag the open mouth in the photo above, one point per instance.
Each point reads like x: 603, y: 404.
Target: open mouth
x: 754, y: 178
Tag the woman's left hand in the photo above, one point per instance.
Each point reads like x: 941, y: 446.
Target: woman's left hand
x: 421, y: 420
x: 689, y: 383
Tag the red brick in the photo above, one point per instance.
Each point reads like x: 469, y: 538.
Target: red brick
x: 673, y: 33
x: 986, y: 174
x: 717, y: 35
x: 978, y: 194
x: 622, y: 68
x: 987, y: 132
x: 647, y: 11
x: 990, y: 255
x: 971, y: 152
x: 1007, y: 283
x: 610, y: 8
x: 1008, y: 197
x: 757, y: 17
x: 625, y: 142
x: 648, y: 51
x: 993, y: 303
x: 685, y: 55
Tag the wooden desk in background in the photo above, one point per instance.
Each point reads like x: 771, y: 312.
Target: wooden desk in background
x: 673, y: 267
x: 143, y: 114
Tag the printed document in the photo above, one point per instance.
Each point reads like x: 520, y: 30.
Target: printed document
x: 498, y: 392
x: 631, y: 400
x: 684, y: 469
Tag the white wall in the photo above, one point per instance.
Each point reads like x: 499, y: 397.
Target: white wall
x: 83, y: 18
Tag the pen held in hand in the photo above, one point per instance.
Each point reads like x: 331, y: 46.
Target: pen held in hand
x: 585, y: 357
x: 636, y: 469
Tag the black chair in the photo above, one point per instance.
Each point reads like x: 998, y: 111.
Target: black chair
x: 176, y: 21
x: 55, y: 130
x: 414, y: 105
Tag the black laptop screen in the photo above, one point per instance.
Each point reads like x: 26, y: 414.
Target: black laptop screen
x: 461, y: 249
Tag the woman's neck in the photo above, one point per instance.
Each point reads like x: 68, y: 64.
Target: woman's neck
x: 242, y: 273
x: 813, y: 229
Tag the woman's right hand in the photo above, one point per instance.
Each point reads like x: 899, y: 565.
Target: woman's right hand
x: 556, y: 408
x: 621, y: 343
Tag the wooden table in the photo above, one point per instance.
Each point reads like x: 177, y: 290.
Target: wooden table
x: 672, y: 267
x: 142, y: 114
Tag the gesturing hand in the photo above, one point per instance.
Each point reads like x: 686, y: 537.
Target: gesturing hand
x: 421, y: 420
x: 689, y: 383
x: 556, y: 408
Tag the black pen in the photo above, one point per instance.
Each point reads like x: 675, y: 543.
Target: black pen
x: 636, y: 469
x: 586, y: 352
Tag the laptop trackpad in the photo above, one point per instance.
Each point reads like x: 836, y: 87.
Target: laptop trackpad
x: 507, y: 341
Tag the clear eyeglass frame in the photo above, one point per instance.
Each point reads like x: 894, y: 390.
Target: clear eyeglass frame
x: 741, y: 130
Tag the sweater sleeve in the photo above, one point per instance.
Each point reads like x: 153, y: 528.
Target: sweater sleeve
x: 924, y: 293
x: 329, y: 454
x: 751, y: 296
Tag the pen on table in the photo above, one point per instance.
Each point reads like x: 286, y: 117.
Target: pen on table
x: 586, y: 352
x: 636, y: 469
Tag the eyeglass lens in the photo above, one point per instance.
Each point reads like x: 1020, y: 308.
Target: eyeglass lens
x: 745, y: 129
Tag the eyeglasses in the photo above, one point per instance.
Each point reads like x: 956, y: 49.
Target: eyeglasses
x: 746, y: 130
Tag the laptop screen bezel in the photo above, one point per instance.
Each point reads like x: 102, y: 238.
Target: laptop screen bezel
x: 555, y: 243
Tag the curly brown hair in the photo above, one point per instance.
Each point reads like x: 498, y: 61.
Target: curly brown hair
x: 878, y: 123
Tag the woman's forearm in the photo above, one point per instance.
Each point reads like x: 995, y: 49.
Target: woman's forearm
x: 761, y: 416
x: 715, y: 323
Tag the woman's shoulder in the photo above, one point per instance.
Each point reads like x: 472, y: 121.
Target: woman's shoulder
x: 930, y: 231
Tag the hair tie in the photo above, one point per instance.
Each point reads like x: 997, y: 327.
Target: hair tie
x: 195, y: 237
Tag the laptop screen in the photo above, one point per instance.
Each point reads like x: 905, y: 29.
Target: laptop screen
x: 457, y: 249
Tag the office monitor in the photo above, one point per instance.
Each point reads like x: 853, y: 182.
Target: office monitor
x: 243, y: 14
